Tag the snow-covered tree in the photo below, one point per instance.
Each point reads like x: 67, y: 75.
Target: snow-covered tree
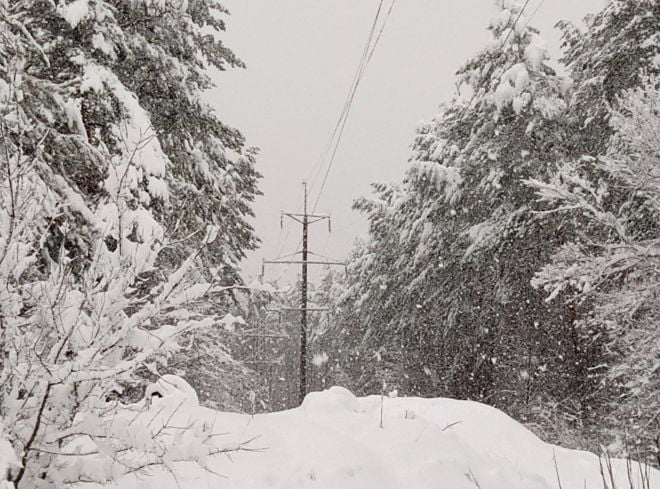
x: 614, y: 62
x: 97, y: 280
x: 86, y: 63
x: 161, y: 52
x: 169, y: 51
x: 619, y: 47
x: 75, y: 55
x: 247, y: 350
x: 444, y: 279
x: 70, y: 338
x: 617, y: 269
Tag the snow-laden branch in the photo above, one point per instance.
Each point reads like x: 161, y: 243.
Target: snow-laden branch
x: 74, y: 327
x: 616, y: 267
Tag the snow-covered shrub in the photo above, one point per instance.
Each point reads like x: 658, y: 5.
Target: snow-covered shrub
x: 76, y: 325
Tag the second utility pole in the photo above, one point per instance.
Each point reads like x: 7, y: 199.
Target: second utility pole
x: 304, y: 219
x: 303, y: 301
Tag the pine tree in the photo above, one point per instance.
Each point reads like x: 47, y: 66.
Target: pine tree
x: 86, y: 60
x: 616, y: 270
x: 101, y: 76
x: 616, y: 51
x: 71, y: 335
x: 607, y: 188
x: 103, y: 271
x: 166, y: 60
x: 445, y: 276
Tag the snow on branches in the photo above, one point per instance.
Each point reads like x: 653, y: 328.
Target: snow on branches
x: 76, y: 322
x: 617, y: 264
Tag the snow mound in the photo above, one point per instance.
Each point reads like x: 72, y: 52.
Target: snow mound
x: 334, y: 400
x: 173, y: 389
x: 8, y: 458
x: 335, y: 441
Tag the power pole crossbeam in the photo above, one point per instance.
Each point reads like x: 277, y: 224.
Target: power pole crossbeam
x: 309, y: 309
x: 309, y: 262
x: 316, y: 216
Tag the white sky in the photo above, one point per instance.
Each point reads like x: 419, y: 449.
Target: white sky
x: 301, y: 56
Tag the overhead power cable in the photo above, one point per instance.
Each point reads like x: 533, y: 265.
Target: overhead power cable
x: 535, y: 11
x: 363, y: 59
x: 368, y: 53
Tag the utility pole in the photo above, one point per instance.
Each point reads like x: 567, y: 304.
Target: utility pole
x: 306, y: 220
x: 303, y: 301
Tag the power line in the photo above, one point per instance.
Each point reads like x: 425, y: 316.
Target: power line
x: 356, y: 78
x: 382, y: 29
x: 350, y: 103
x: 335, y: 232
x: 344, y: 118
x: 367, y: 54
x: 364, y: 61
x: 535, y: 11
x: 487, y: 75
x: 351, y: 224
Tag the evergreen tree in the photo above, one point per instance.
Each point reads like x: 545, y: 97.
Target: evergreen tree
x: 87, y: 60
x: 608, y: 188
x: 615, y: 270
x: 614, y: 109
x: 107, y: 252
x: 100, y: 78
x: 71, y: 335
x: 166, y: 61
x: 618, y: 49
x: 443, y: 285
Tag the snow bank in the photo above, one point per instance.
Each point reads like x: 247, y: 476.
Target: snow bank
x: 333, y: 401
x: 334, y: 441
x: 8, y: 458
x: 172, y: 389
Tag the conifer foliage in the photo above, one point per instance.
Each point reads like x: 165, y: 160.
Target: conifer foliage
x: 616, y: 270
x: 464, y: 226
x: 123, y: 203
x: 608, y: 185
x: 513, y: 264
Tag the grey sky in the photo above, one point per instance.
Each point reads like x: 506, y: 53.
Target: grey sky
x: 301, y: 56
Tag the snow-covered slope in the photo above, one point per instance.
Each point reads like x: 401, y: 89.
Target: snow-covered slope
x: 334, y: 441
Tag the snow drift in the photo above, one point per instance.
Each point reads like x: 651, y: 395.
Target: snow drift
x: 334, y: 441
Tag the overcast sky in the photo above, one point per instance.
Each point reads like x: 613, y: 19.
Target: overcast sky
x: 301, y: 56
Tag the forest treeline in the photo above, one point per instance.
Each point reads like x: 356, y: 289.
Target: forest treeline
x: 518, y: 262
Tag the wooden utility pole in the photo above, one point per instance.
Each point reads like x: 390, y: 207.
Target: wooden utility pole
x: 303, y: 300
x: 306, y: 220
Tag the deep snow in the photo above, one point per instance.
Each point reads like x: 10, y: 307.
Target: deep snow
x: 334, y: 441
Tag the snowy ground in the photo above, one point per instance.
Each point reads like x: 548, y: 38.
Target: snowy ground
x: 334, y: 441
